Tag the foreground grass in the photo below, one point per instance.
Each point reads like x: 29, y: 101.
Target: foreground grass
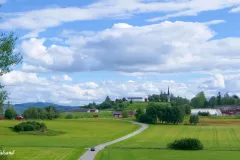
x: 151, y: 154
x: 220, y: 136
x: 45, y: 153
x: 213, y: 137
x: 79, y: 135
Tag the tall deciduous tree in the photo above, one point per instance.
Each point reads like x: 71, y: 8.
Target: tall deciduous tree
x: 199, y: 101
x: 10, y: 113
x: 212, y: 101
x: 8, y: 58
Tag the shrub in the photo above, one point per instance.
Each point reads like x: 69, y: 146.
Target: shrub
x: 125, y: 114
x: 69, y: 116
x: 186, y: 144
x: 30, y: 126
x: 237, y: 117
x: 186, y: 108
x: 139, y: 111
x: 194, y: 119
x: 203, y: 113
x: 144, y: 118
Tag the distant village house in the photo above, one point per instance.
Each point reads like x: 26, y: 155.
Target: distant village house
x: 118, y: 114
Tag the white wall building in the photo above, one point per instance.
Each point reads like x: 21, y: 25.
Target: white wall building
x: 212, y: 112
x: 136, y: 99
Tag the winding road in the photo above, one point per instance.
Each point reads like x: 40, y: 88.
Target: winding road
x: 90, y: 155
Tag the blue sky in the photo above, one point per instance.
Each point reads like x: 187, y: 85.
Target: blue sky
x: 77, y: 52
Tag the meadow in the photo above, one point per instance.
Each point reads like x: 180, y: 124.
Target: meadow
x: 105, y: 114
x: 220, y: 136
x: 79, y: 134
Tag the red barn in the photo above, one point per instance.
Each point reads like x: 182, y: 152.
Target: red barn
x: 19, y: 118
x: 1, y: 118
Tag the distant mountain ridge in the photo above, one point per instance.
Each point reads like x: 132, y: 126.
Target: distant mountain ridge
x: 21, y: 107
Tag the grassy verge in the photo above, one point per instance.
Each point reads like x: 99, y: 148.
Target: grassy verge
x: 220, y: 136
x: 78, y: 135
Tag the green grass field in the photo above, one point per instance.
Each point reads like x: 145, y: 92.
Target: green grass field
x: 150, y: 154
x: 79, y: 135
x: 105, y: 114
x: 220, y: 136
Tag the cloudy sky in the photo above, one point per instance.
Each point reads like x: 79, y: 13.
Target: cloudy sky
x: 77, y: 52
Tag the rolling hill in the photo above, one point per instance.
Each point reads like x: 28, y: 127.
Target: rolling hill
x: 21, y: 107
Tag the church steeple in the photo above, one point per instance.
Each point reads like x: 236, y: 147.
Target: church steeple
x: 168, y: 95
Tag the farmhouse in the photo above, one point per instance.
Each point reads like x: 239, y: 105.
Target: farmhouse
x: 212, y: 112
x: 136, y: 99
x: 117, y: 114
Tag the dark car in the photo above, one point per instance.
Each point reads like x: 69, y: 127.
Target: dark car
x: 93, y: 149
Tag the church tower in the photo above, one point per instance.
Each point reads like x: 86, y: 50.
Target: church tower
x: 168, y: 95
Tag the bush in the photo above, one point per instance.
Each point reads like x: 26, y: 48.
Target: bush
x: 69, y: 116
x: 186, y: 108
x: 30, y: 126
x: 186, y: 144
x: 139, y: 111
x: 194, y: 119
x: 144, y: 118
x: 203, y: 113
x: 125, y: 114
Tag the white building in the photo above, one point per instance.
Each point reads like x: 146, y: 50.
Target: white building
x: 212, y: 112
x: 136, y: 99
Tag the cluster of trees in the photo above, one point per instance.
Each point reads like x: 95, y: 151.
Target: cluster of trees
x: 200, y: 100
x: 162, y: 113
x: 118, y: 104
x: 163, y: 97
x: 91, y: 105
x: 41, y: 113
